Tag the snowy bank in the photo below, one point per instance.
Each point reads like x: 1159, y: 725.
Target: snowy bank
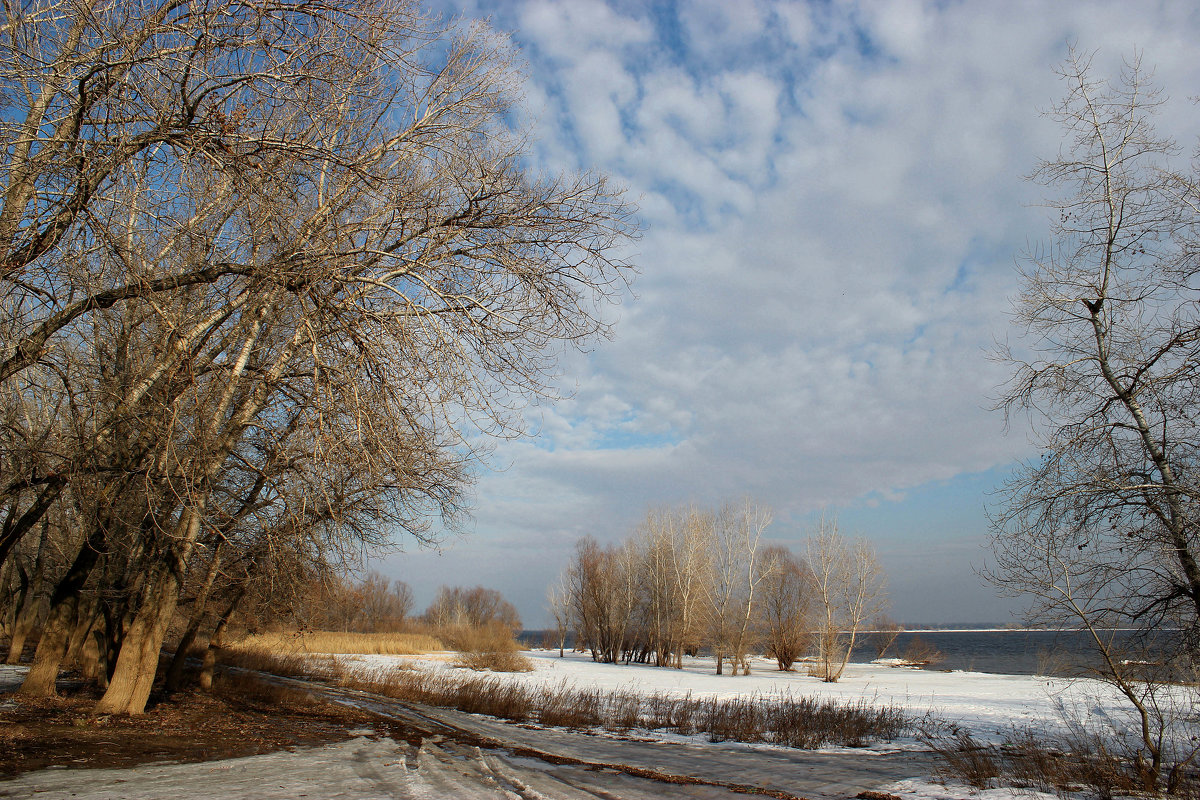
x: 987, y: 704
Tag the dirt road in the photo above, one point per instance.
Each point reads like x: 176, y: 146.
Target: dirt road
x: 436, y: 753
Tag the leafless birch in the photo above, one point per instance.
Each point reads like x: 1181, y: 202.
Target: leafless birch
x: 850, y: 589
x: 1101, y: 529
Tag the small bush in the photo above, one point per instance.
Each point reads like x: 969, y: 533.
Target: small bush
x: 490, y: 647
x: 1078, y: 761
x: 922, y: 652
x: 966, y: 759
x: 564, y: 707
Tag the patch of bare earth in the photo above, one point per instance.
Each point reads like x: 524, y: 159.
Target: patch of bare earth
x: 239, y: 718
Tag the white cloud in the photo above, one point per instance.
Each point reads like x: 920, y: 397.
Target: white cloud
x: 835, y: 200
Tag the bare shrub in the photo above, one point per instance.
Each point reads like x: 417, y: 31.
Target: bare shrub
x: 806, y: 722
x: 738, y: 719
x: 490, y: 647
x: 919, y: 651
x: 288, y: 665
x: 966, y: 759
x: 1052, y: 661
x: 565, y: 707
x: 1064, y: 763
x: 883, y: 634
x: 623, y: 711
x: 495, y: 661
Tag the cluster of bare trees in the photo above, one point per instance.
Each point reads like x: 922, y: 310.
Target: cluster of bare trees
x: 263, y: 268
x: 374, y: 604
x: 459, y: 607
x: 692, y: 580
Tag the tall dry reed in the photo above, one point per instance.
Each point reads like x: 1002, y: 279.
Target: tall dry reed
x: 388, y: 644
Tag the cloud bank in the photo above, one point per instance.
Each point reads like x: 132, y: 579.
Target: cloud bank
x: 834, y: 202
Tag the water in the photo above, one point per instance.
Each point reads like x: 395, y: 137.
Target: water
x: 1000, y: 651
x: 1003, y: 651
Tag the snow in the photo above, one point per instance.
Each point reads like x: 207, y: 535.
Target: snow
x: 924, y: 790
x: 989, y: 705
x: 334, y: 771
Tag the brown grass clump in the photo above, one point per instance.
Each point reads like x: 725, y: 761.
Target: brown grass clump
x: 388, y: 644
x: 1062, y: 764
x: 490, y: 648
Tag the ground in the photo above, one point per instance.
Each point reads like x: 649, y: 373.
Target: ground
x: 358, y: 746
x: 234, y: 721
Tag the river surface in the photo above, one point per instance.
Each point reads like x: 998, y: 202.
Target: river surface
x: 1013, y: 652
x: 1009, y: 652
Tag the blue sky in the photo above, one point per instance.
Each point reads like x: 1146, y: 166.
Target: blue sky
x: 834, y: 205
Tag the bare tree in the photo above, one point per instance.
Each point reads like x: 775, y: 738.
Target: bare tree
x: 850, y: 589
x: 1101, y: 530
x: 737, y: 574
x: 674, y: 550
x: 458, y: 607
x: 787, y: 607
x: 558, y: 601
x: 293, y: 239
x: 603, y: 590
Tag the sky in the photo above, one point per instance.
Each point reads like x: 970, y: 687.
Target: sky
x: 834, y: 204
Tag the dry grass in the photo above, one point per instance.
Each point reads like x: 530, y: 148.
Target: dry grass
x: 388, y: 644
x: 490, y: 648
x: 801, y: 722
x: 1063, y: 764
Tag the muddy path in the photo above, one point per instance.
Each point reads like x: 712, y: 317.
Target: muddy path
x: 414, y: 752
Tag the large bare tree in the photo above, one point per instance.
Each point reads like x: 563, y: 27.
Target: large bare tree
x: 788, y: 607
x: 738, y: 571
x: 1101, y: 530
x: 289, y: 241
x: 849, y: 588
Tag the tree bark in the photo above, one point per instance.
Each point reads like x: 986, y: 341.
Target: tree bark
x: 85, y: 619
x: 137, y: 663
x: 217, y: 641
x: 64, y: 605
x: 31, y: 606
x: 175, y: 671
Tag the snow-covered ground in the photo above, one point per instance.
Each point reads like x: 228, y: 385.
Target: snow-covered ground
x: 986, y: 704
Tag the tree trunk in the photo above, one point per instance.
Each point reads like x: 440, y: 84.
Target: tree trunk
x: 85, y: 619
x: 93, y: 660
x: 175, y: 671
x: 217, y: 640
x: 64, y: 604
x: 137, y: 662
x: 31, y: 606
x: 24, y: 624
x: 51, y: 649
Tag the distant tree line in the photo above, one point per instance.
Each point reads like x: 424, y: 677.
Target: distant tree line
x: 691, y: 580
x: 376, y: 604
